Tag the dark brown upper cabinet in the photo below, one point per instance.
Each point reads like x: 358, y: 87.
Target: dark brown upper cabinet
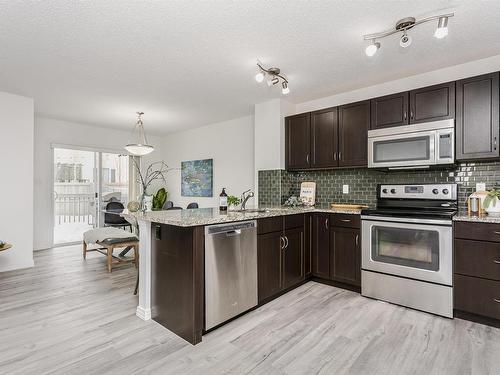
x: 432, y: 103
x: 324, y: 138
x: 477, y: 122
x: 390, y: 110
x: 298, y: 141
x: 354, y: 122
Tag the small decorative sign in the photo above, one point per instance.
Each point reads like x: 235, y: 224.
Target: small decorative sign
x: 197, y: 178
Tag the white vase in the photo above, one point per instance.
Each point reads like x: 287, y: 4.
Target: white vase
x: 232, y: 207
x: 493, y: 210
x: 148, y: 202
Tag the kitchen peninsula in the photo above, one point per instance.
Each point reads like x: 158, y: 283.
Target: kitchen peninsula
x: 172, y: 257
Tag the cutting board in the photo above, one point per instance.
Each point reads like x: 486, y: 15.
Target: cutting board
x: 348, y: 206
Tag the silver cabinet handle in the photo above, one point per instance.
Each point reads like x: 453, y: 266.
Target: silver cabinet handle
x: 326, y: 223
x: 496, y: 261
x: 286, y: 238
x: 346, y: 220
x: 496, y: 232
x: 405, y: 115
x: 307, y: 158
x: 496, y: 300
x: 357, y: 239
x: 495, y: 143
x: 282, y: 241
x: 411, y: 114
x: 335, y: 156
x: 340, y: 155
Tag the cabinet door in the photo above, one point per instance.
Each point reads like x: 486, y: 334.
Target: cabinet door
x: 293, y: 257
x: 321, y: 246
x: 298, y: 141
x: 477, y: 117
x: 390, y: 110
x: 346, y: 255
x: 432, y: 103
x: 324, y: 138
x: 354, y: 122
x: 269, y: 264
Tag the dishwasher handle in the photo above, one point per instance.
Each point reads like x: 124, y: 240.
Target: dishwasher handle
x: 233, y: 233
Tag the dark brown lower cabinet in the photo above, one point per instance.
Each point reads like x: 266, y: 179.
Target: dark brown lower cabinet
x: 345, y: 255
x: 293, y: 257
x: 281, y: 257
x: 476, y: 267
x: 269, y: 264
x: 321, y: 245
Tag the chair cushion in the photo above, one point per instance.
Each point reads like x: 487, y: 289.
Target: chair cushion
x: 109, y: 234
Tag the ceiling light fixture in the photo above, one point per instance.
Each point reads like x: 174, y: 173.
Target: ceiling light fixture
x: 403, y: 26
x: 141, y: 146
x: 274, y: 77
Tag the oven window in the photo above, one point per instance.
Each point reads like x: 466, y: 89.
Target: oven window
x: 416, y: 248
x: 406, y: 149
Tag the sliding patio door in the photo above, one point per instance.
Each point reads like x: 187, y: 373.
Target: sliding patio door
x: 85, y: 181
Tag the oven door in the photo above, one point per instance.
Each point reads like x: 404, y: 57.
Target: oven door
x: 416, y: 249
x: 402, y: 150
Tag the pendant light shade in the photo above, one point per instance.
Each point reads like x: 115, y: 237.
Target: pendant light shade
x: 139, y: 145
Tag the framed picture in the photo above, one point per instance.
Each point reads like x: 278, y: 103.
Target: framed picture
x: 197, y: 178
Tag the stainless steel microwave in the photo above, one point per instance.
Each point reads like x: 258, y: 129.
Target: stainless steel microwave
x: 412, y: 146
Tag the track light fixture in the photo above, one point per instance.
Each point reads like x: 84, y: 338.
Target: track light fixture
x: 403, y: 26
x: 273, y: 77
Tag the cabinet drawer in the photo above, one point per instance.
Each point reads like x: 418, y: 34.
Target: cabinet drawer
x: 294, y: 221
x: 477, y: 231
x: 479, y: 259
x: 346, y: 220
x: 477, y: 296
x: 270, y: 224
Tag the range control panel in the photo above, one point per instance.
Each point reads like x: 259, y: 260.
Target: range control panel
x: 424, y: 191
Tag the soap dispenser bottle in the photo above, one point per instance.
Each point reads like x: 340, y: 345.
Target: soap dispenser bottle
x: 223, y: 200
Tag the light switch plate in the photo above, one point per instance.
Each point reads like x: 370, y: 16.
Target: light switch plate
x: 480, y: 186
x: 345, y: 189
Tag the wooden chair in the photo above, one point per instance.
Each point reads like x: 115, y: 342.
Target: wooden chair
x: 106, y: 247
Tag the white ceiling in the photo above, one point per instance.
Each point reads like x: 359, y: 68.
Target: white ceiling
x: 191, y: 63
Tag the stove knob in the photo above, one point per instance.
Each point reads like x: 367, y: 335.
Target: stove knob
x: 445, y: 191
x: 384, y: 191
x: 393, y: 191
x: 435, y: 191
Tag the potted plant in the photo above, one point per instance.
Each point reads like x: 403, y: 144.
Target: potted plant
x: 155, y: 172
x: 492, y: 203
x: 159, y: 199
x: 232, y: 202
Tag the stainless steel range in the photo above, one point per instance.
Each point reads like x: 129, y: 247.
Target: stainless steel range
x: 407, y: 247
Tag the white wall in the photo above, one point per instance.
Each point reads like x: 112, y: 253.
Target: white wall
x: 452, y: 73
x: 50, y: 131
x: 231, y: 146
x: 16, y: 186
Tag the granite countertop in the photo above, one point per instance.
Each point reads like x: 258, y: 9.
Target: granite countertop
x: 485, y: 218
x: 208, y: 216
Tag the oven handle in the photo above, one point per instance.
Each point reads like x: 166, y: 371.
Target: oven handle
x: 406, y: 220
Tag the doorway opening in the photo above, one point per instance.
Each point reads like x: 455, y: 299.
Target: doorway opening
x: 84, y: 183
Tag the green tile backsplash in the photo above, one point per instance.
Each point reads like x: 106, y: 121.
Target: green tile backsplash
x: 275, y: 186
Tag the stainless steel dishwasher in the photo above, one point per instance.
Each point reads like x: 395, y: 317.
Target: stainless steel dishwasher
x: 230, y: 271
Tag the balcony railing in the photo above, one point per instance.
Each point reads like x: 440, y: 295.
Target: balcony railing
x: 73, y: 208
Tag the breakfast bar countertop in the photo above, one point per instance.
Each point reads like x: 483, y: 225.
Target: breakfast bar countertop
x: 209, y: 216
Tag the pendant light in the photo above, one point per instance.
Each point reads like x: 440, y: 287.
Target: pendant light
x: 139, y: 144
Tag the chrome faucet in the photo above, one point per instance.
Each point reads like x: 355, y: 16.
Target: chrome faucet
x: 245, y: 196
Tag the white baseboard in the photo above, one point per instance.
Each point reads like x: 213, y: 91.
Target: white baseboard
x: 144, y: 314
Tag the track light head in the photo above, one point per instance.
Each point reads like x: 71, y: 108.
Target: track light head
x: 259, y: 77
x: 272, y: 81
x: 372, y: 48
x: 442, y: 28
x: 285, y: 90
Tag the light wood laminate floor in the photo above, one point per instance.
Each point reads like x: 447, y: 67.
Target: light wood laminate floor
x: 69, y: 316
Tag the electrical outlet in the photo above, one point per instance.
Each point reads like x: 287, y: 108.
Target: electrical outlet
x: 480, y: 186
x: 345, y: 189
